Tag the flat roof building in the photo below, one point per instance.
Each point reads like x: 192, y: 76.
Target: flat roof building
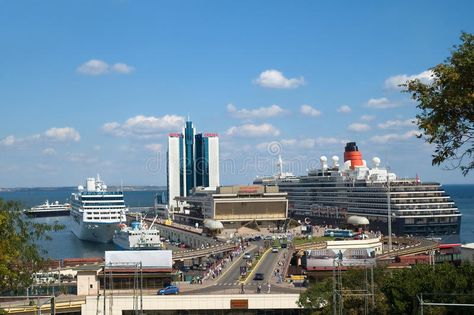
x: 237, y: 203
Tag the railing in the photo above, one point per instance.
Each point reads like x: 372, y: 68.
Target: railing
x: 203, y: 251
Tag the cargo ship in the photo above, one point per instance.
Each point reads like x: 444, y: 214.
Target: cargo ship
x: 333, y: 193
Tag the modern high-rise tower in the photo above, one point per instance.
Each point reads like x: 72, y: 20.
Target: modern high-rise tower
x: 192, y: 160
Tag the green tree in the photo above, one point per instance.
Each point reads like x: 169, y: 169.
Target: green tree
x: 20, y: 255
x: 319, y: 296
x: 447, y: 107
x: 397, y: 291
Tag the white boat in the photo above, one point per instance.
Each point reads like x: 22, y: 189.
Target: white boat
x: 49, y: 209
x: 96, y: 212
x: 138, y: 236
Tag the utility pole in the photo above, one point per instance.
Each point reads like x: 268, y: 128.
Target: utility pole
x: 334, y: 286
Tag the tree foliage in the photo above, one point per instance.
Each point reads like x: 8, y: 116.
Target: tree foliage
x: 397, y: 291
x: 20, y: 255
x: 447, y: 107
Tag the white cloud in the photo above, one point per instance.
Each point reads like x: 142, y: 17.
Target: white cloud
x: 122, y: 68
x: 330, y: 140
x: 251, y: 130
x: 367, y: 117
x: 308, y: 110
x: 262, y: 112
x: 8, y: 140
x: 49, y: 151
x: 394, y: 81
x: 344, y: 109
x: 306, y: 143
x: 394, y: 124
x: 62, y: 134
x: 93, y: 67
x: 99, y: 67
x: 358, y: 127
x: 154, y: 147
x: 381, y: 103
x: 54, y: 134
x: 395, y: 137
x: 144, y: 126
x: 81, y: 158
x: 275, y: 79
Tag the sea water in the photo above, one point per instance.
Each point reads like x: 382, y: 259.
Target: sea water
x: 65, y: 244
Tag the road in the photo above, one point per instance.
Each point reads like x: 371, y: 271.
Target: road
x: 229, y: 282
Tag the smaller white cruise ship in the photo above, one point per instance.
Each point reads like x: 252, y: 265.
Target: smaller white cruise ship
x: 138, y: 236
x: 49, y: 209
x: 96, y: 212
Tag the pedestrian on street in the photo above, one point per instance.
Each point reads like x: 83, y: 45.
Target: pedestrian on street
x: 259, y: 288
x: 242, y: 290
x: 269, y: 287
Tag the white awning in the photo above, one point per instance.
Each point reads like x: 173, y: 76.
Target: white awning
x: 357, y: 220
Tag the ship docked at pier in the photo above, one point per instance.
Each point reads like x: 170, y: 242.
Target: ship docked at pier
x: 138, y: 236
x: 96, y: 212
x: 333, y: 193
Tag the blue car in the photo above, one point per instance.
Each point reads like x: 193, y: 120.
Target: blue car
x: 169, y: 290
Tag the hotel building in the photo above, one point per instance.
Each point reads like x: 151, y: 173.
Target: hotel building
x: 192, y: 161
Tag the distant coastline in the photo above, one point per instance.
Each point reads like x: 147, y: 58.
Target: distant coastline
x: 125, y: 188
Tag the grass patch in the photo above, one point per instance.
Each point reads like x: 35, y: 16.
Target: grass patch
x: 319, y: 239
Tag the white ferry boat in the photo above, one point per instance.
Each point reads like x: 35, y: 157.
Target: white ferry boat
x: 96, y: 212
x: 138, y: 236
x: 333, y: 193
x: 49, y: 209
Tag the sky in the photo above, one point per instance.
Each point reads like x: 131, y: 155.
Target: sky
x: 91, y: 87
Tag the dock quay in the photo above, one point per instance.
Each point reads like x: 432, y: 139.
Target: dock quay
x: 189, y: 235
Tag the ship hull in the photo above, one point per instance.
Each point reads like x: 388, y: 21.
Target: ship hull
x: 47, y: 213
x: 126, y: 242
x: 94, y: 231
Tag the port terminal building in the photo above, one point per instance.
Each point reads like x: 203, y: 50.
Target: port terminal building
x: 127, y: 270
x: 233, y: 205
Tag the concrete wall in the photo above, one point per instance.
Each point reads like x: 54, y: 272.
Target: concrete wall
x: 190, y: 302
x: 467, y: 252
x: 87, y: 283
x: 374, y: 243
x: 189, y: 238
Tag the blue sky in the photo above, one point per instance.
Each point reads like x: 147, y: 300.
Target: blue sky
x: 92, y: 87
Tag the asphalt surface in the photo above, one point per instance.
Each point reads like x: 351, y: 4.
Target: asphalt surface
x: 228, y: 282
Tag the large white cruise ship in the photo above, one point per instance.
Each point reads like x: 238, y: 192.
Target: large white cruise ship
x: 96, y: 212
x: 333, y: 193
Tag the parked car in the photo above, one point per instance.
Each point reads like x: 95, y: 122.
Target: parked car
x: 169, y: 290
x: 283, y: 245
x: 259, y: 276
x: 247, y: 256
x: 268, y: 238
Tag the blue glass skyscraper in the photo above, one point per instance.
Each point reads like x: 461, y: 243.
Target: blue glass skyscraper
x: 192, y: 160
